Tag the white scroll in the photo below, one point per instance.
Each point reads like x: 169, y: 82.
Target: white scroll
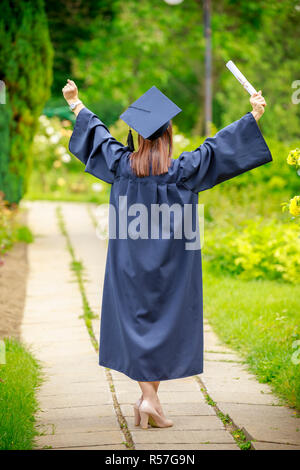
x: 240, y: 77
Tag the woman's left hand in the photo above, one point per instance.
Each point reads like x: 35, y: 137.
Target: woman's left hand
x: 70, y: 91
x: 258, y: 104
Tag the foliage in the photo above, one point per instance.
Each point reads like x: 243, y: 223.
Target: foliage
x: 20, y: 378
x: 150, y: 42
x: 6, y: 226
x: 5, y: 117
x: 10, y: 230
x: 69, y: 25
x: 25, y: 67
x: 260, y: 319
x: 266, y: 54
x: 293, y: 206
x: 256, y: 250
x: 56, y: 174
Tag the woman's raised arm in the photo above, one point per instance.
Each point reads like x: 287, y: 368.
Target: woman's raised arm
x: 235, y: 149
x: 91, y: 141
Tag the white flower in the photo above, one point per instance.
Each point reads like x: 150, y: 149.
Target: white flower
x: 43, y: 119
x: 40, y: 138
x: 97, y: 187
x: 55, y: 138
x: 66, y: 158
x: 60, y: 150
x: 178, y: 138
x: 49, y: 130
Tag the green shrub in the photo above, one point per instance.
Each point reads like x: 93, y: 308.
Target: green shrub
x: 256, y: 250
x: 56, y: 173
x: 25, y: 65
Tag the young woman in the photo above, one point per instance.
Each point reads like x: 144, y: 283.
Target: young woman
x: 151, y: 318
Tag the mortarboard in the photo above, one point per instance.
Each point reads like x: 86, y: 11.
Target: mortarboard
x: 149, y: 115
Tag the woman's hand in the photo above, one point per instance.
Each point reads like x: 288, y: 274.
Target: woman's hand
x: 70, y: 92
x: 258, y: 104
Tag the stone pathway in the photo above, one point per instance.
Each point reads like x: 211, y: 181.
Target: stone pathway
x: 77, y: 405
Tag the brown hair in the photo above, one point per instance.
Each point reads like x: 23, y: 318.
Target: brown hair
x: 155, y: 153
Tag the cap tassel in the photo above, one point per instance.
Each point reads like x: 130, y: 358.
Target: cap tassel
x: 130, y: 142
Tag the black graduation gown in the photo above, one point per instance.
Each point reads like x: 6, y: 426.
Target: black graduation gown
x: 151, y: 318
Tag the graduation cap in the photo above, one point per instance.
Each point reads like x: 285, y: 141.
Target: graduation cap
x: 149, y: 115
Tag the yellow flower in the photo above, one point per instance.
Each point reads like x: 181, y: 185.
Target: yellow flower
x: 57, y: 164
x: 294, y: 157
x: 66, y: 132
x: 295, y: 206
x: 60, y: 182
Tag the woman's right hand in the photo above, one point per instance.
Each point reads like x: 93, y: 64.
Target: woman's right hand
x: 258, y: 104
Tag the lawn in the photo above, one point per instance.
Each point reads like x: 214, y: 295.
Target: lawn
x: 260, y: 319
x: 20, y: 378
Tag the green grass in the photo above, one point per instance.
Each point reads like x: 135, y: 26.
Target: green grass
x: 24, y: 234
x: 78, y: 270
x: 261, y: 320
x: 19, y: 379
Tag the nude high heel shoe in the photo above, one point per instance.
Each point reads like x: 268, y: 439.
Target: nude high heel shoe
x: 137, y: 416
x: 149, y: 414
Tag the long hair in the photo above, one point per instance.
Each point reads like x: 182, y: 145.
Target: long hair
x: 155, y: 154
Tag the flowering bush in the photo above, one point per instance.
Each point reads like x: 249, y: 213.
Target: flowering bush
x: 293, y: 205
x: 294, y: 158
x: 56, y: 173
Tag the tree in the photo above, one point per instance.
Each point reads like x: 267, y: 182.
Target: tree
x: 73, y: 22
x: 151, y: 42
x: 25, y: 67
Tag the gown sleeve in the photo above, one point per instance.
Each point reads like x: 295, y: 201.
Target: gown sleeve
x: 235, y: 149
x: 92, y: 143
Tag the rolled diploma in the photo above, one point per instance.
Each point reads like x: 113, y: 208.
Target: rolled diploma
x: 240, y: 77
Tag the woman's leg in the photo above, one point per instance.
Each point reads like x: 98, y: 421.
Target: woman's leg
x: 149, y: 393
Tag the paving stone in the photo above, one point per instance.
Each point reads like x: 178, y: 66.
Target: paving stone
x: 219, y: 357
x: 81, y: 439
x: 76, y: 399
x: 275, y: 424
x: 165, y: 397
x: 211, y: 342
x: 75, y: 412
x: 66, y: 388
x: 186, y: 447
x: 178, y: 409
x: 153, y: 435
x: 89, y: 424
x: 193, y: 423
x: 242, y: 397
x: 273, y: 446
